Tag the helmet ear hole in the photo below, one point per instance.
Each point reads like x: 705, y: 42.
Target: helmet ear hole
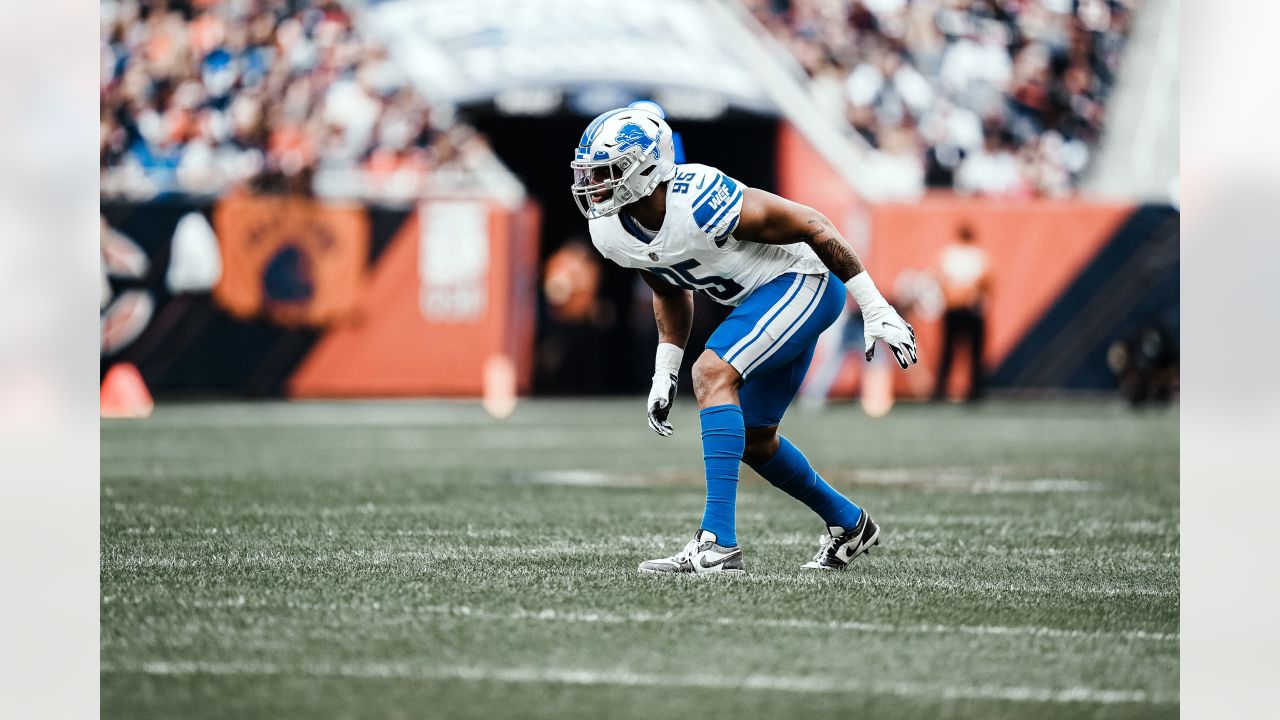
x: 649, y: 170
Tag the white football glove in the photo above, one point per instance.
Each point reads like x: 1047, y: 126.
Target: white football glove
x: 886, y: 324
x: 663, y: 391
x: 881, y: 322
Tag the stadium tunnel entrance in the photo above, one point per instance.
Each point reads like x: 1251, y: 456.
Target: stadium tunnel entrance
x: 607, y: 348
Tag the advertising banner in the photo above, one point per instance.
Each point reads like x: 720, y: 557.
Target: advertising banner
x: 295, y: 262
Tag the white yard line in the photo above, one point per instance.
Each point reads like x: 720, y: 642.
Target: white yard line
x: 802, y: 624
x: 612, y: 618
x: 1030, y: 526
x: 579, y: 478
x: 996, y: 586
x: 402, y: 413
x: 572, y: 676
x: 1034, y: 526
x: 963, y: 479
x: 423, y: 561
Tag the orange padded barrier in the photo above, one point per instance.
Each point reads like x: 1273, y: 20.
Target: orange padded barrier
x: 455, y: 289
x: 1035, y: 247
x: 294, y: 261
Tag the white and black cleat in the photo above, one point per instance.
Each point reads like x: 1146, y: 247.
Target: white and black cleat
x: 840, y: 546
x: 701, y: 555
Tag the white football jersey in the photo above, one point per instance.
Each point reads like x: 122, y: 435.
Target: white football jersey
x: 695, y: 247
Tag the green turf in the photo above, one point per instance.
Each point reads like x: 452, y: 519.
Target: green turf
x: 418, y: 560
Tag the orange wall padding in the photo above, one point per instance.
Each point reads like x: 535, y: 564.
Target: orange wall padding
x: 1036, y: 248
x: 325, y: 243
x: 393, y: 348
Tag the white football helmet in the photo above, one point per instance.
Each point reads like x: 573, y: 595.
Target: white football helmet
x: 621, y: 157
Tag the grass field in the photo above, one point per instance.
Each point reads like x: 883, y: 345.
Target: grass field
x: 418, y: 560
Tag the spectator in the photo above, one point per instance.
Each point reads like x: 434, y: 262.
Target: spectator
x: 572, y: 343
x: 201, y: 96
x: 932, y: 68
x: 964, y: 275
x: 992, y: 169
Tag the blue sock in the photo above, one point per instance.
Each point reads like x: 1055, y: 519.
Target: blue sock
x: 789, y: 471
x: 723, y: 440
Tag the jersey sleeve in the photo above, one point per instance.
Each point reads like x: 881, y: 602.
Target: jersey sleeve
x: 716, y: 208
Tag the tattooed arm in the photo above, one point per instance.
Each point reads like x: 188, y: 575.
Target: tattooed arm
x: 772, y: 220
x: 769, y: 219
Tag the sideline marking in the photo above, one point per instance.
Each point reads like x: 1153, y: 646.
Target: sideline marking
x: 570, y: 676
x: 611, y: 618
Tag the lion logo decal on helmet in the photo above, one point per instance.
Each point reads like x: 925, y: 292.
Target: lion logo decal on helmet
x: 631, y: 135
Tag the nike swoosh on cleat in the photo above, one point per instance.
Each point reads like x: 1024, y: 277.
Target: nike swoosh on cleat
x: 722, y: 560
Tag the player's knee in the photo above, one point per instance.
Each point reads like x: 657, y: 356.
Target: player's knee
x: 712, y: 375
x: 762, y: 444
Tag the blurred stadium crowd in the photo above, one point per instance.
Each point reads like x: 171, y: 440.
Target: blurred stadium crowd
x: 996, y: 97
x: 200, y: 96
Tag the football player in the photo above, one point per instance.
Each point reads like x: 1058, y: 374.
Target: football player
x: 784, y: 269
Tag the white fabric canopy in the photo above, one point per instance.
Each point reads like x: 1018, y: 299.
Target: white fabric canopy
x: 586, y: 53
